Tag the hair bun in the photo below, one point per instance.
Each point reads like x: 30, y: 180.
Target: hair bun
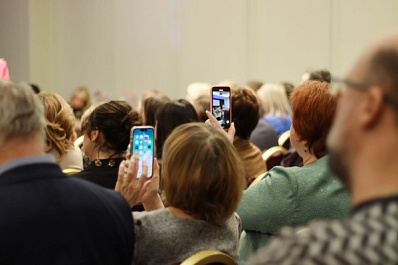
x: 130, y: 119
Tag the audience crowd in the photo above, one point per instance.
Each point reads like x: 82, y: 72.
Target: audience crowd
x: 333, y: 199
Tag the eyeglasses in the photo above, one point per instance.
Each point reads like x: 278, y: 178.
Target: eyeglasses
x: 340, y: 86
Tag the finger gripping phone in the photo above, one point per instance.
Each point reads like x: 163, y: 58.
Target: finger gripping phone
x: 142, y: 141
x: 220, y: 105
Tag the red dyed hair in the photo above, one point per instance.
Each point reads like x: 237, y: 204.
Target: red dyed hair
x: 313, y: 111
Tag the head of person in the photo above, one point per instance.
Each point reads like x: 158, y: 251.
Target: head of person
x: 60, y: 129
x: 107, y: 131
x: 195, y: 90
x: 21, y: 114
x: 320, y: 75
x: 313, y: 111
x: 81, y: 99
x: 201, y: 104
x: 274, y: 100
x: 202, y: 173
x: 150, y: 106
x: 168, y: 117
x: 367, y: 116
x: 245, y: 111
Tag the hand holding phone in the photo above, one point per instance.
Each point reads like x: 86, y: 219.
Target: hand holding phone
x: 230, y: 132
x: 142, y: 142
x: 220, y: 105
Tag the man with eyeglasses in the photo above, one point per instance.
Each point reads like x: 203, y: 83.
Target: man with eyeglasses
x: 363, y: 145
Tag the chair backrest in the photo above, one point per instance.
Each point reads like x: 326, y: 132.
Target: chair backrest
x: 257, y: 179
x: 79, y: 141
x: 284, y: 139
x: 70, y: 171
x: 273, y: 156
x: 209, y: 257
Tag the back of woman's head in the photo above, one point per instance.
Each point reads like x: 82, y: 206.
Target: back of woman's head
x: 313, y: 111
x: 245, y: 112
x: 60, y: 128
x: 202, y: 173
x: 150, y: 106
x: 169, y: 116
x: 274, y: 100
x: 114, y: 119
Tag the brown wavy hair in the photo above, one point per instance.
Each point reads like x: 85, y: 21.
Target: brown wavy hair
x: 60, y: 128
x: 313, y: 112
x: 202, y: 173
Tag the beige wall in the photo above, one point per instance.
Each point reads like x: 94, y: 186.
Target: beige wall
x: 127, y: 46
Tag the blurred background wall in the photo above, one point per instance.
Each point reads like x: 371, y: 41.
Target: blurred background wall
x: 124, y: 47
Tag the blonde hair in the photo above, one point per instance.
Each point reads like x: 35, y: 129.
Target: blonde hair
x: 195, y: 90
x: 202, y: 173
x: 274, y: 100
x: 86, y: 116
x: 60, y: 127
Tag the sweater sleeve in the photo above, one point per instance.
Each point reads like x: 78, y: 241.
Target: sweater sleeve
x: 271, y: 203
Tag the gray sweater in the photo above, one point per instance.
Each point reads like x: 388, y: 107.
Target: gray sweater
x: 162, y: 238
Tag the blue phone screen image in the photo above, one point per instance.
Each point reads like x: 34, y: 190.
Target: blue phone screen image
x: 143, y: 142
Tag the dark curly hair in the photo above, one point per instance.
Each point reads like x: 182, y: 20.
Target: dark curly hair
x: 115, y: 120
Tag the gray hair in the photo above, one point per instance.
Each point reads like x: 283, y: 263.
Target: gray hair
x: 21, y: 112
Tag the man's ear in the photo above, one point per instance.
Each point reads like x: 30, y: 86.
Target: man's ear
x: 95, y: 134
x: 372, y: 106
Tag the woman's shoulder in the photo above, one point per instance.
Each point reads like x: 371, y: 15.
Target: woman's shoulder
x: 73, y: 158
x: 319, y: 165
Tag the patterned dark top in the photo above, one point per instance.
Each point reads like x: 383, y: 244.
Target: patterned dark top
x: 370, y: 236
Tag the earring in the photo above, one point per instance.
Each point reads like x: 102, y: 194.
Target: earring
x: 305, y: 149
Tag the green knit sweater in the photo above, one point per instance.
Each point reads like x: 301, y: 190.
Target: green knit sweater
x: 290, y: 196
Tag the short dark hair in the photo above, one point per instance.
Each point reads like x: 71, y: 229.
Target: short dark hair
x: 245, y: 111
x: 114, y: 119
x: 169, y: 116
x: 320, y: 75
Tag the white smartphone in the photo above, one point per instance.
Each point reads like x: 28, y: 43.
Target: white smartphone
x: 142, y: 141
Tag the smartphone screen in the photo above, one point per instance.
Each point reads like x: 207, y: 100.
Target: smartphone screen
x: 142, y: 141
x: 221, y: 105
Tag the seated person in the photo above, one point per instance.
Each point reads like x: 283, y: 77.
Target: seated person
x: 203, y: 184
x: 80, y: 101
x: 60, y: 131
x: 276, y: 106
x: 150, y: 105
x: 47, y: 217
x: 245, y: 115
x: 264, y: 135
x: 294, y: 196
x: 106, y: 137
x: 168, y: 117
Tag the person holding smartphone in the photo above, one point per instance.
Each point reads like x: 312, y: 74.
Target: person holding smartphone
x: 203, y: 182
x: 106, y: 137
